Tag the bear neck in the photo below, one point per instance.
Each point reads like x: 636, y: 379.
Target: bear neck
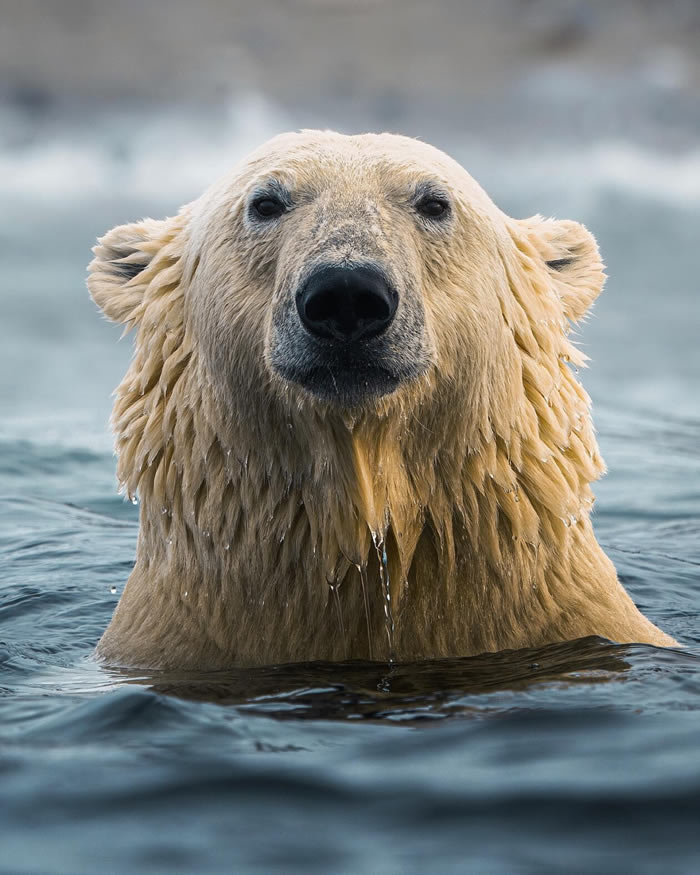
x: 362, y: 519
x: 294, y: 512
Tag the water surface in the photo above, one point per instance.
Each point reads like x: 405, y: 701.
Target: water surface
x: 583, y: 756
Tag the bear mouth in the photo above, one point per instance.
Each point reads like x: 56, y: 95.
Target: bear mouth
x: 347, y: 384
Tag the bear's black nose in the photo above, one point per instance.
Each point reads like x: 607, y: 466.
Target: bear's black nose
x: 347, y: 303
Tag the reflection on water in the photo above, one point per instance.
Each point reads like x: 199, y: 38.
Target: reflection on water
x: 406, y: 692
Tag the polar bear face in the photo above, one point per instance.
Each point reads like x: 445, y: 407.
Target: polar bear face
x: 368, y: 274
x: 346, y: 269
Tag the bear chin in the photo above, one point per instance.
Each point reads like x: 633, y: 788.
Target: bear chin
x: 344, y: 386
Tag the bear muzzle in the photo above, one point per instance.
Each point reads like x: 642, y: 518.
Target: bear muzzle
x: 346, y: 334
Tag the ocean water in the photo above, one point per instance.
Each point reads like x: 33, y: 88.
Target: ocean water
x: 579, y: 757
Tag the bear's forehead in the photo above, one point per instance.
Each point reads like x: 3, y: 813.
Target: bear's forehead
x: 326, y: 157
x: 333, y: 154
x: 368, y: 165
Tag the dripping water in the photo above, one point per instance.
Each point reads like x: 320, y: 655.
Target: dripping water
x: 362, y: 571
x: 334, y: 588
x: 380, y: 547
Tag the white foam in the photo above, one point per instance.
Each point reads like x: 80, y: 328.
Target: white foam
x: 609, y: 165
x: 175, y: 157
x: 164, y: 156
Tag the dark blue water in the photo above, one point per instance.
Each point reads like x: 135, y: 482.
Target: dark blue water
x: 580, y: 757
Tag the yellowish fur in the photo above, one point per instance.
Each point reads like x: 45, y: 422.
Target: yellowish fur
x: 449, y: 518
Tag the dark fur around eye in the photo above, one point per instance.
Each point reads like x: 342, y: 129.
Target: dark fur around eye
x: 432, y: 202
x: 433, y: 208
x: 269, y: 201
x: 268, y: 207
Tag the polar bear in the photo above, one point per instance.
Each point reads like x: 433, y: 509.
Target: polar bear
x: 352, y: 419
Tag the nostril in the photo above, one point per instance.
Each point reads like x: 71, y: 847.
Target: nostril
x: 320, y: 307
x: 369, y: 306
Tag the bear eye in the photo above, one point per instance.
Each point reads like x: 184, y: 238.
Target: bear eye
x: 268, y: 207
x: 433, y: 207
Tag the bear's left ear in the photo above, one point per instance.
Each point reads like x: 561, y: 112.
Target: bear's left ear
x: 571, y: 257
x: 116, y: 277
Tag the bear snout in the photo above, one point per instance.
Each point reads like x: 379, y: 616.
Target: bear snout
x: 349, y: 332
x: 346, y: 303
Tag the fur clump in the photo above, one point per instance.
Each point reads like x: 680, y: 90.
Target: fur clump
x: 449, y: 518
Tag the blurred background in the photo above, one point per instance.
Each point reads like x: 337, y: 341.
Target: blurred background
x: 110, y: 111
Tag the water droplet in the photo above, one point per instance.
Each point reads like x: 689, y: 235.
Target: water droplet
x: 566, y: 521
x: 164, y: 510
x: 185, y: 593
x: 134, y: 499
x: 113, y: 590
x: 227, y: 546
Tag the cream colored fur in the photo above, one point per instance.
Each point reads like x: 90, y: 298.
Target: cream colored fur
x: 449, y: 518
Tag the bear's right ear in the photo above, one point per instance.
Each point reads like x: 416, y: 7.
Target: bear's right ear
x: 115, y: 274
x: 571, y: 256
